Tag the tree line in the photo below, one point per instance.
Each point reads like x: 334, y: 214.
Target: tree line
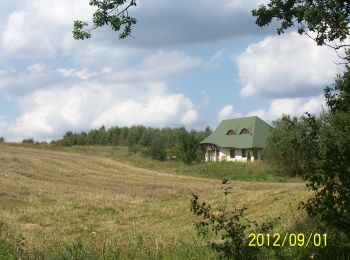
x: 158, y: 143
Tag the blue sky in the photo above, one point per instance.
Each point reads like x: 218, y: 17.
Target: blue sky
x: 189, y: 63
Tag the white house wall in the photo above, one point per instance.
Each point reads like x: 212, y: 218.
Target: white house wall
x: 224, y: 155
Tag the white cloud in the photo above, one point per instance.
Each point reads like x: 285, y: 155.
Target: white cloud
x: 291, y: 106
x: 159, y: 66
x: 217, y: 56
x: 49, y: 113
x: 52, y: 100
x: 205, y: 100
x: 162, y: 110
x: 228, y: 112
x: 41, y: 28
x: 288, y: 65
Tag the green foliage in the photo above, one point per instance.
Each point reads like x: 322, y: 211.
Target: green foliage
x: 227, y: 229
x: 110, y: 13
x: 319, y: 150
x: 323, y: 142
x: 328, y: 169
x: 28, y: 141
x: 188, y: 144
x: 338, y: 95
x: 329, y: 20
x: 280, y: 149
x: 2, y: 139
x: 153, y: 142
x: 157, y: 149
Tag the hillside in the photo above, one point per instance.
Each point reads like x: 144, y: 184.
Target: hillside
x: 62, y: 203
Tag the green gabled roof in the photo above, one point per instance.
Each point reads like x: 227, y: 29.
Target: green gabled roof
x: 258, y: 128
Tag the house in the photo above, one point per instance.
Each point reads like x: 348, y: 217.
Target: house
x: 240, y: 139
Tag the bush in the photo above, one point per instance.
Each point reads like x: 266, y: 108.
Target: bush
x: 187, y: 147
x: 2, y: 139
x: 280, y: 150
x: 28, y: 141
x: 227, y: 230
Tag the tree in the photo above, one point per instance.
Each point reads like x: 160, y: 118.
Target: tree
x: 338, y: 95
x: 2, y: 139
x: 279, y: 149
x: 157, y: 149
x: 328, y: 19
x: 113, y: 13
x: 188, y: 144
x: 327, y: 170
x: 325, y: 141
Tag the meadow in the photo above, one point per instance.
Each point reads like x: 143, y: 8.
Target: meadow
x: 102, y: 202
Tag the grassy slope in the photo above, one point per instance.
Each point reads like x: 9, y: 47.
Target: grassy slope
x: 219, y: 171
x: 53, y: 198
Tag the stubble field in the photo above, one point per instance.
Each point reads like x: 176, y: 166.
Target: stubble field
x: 65, y: 204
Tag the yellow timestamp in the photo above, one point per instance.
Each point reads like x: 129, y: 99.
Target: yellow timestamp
x: 288, y: 239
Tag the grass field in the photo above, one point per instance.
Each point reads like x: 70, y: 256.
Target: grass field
x: 90, y: 202
x: 218, y: 171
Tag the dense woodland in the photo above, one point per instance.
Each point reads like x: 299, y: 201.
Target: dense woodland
x: 153, y: 142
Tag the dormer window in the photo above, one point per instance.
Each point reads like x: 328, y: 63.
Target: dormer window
x: 245, y: 131
x: 231, y: 132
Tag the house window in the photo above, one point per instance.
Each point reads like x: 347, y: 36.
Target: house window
x: 231, y: 132
x: 244, y: 153
x: 245, y: 131
x: 232, y: 153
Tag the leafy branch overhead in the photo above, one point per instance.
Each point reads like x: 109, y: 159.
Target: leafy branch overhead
x: 328, y: 19
x: 113, y: 13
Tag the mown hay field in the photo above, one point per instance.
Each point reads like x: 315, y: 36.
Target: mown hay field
x: 59, y: 204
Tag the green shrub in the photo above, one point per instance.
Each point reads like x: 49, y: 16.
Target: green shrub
x: 187, y: 148
x: 28, y: 141
x: 280, y: 150
x: 227, y: 229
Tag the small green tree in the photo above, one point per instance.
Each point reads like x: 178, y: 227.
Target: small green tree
x: 156, y: 148
x: 187, y: 147
x: 227, y: 229
x: 2, y: 139
x: 280, y: 150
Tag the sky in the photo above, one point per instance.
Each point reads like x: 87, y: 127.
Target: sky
x: 188, y: 63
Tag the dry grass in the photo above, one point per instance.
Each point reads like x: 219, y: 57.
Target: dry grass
x: 53, y: 197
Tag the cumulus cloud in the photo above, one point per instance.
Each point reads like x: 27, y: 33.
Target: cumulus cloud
x: 159, y: 66
x: 52, y: 100
x: 288, y: 65
x: 291, y: 106
x: 48, y: 113
x: 41, y: 28
x: 228, y: 112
